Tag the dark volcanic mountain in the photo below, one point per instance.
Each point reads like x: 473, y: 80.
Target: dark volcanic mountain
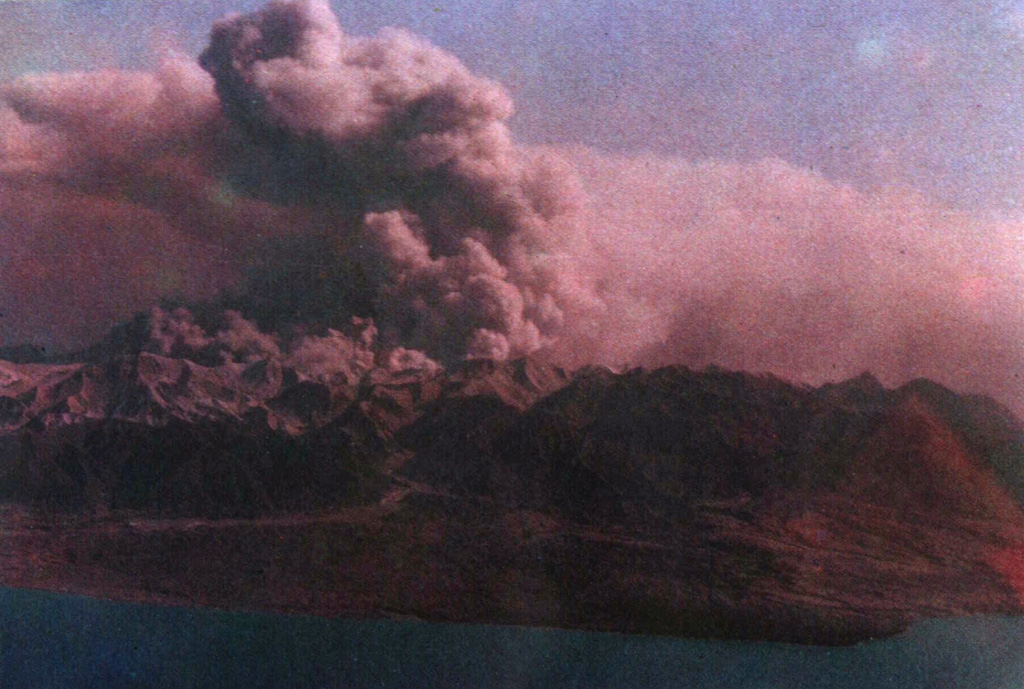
x: 706, y: 503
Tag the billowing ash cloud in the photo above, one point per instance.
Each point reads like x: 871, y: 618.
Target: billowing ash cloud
x: 407, y: 157
x: 770, y: 267
x: 111, y: 196
x: 299, y: 177
x: 381, y: 167
x: 338, y: 356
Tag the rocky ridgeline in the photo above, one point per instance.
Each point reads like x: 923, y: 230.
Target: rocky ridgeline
x: 149, y: 431
x: 154, y: 432
x: 704, y: 503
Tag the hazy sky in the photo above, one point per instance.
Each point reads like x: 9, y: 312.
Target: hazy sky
x: 916, y: 93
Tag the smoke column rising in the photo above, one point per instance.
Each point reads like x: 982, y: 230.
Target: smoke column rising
x: 462, y: 235
x: 291, y: 156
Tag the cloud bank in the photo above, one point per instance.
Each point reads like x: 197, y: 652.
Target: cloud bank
x: 300, y: 176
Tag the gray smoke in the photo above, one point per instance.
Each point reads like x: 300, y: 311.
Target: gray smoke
x: 459, y: 239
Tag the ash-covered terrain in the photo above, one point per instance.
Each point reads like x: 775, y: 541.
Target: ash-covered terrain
x: 701, y: 503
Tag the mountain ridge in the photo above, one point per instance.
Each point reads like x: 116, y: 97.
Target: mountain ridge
x: 654, y: 501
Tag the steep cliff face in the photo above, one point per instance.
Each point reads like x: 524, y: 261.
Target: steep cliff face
x: 706, y: 503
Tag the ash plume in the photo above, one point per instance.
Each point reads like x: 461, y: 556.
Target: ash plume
x: 336, y: 356
x: 294, y: 177
x: 405, y: 157
x: 770, y: 267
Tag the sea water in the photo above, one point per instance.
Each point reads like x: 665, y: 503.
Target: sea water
x: 63, y: 641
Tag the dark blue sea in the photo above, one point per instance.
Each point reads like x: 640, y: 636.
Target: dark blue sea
x: 61, y: 641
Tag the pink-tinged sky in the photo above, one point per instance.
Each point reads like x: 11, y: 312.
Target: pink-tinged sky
x: 800, y: 188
